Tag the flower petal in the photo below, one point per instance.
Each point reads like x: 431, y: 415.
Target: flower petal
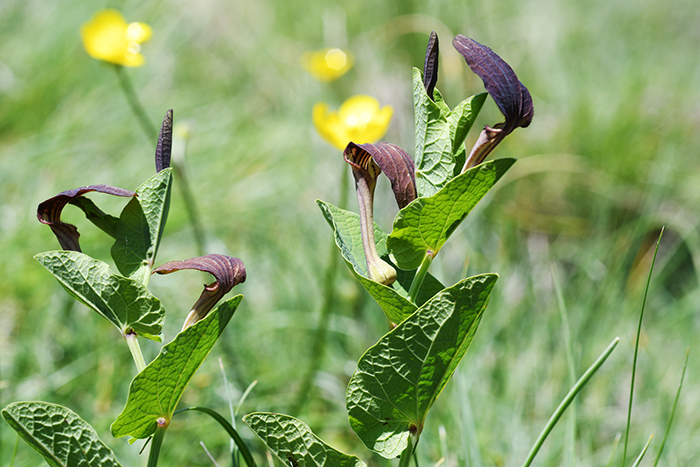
x: 327, y: 64
x: 49, y: 212
x: 328, y: 125
x: 227, y: 271
x: 396, y: 164
x: 108, y: 37
x: 510, y: 95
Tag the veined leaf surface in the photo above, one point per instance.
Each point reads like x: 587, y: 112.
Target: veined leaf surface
x: 141, y: 225
x: 155, y: 392
x: 125, y: 302
x: 59, y: 435
x: 427, y: 223
x: 392, y: 299
x: 398, y: 379
x: 293, y: 442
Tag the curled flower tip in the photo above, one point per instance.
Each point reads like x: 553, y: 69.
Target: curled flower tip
x: 327, y: 64
x: 227, y: 271
x: 430, y: 68
x: 107, y: 36
x: 165, y: 142
x: 511, y: 96
x: 359, y: 119
x: 366, y: 170
x: 49, y: 212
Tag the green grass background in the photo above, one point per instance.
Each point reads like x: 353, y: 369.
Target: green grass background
x: 610, y: 157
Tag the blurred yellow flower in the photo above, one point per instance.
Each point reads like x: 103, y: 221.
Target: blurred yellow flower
x: 327, y: 64
x: 359, y: 120
x: 107, y: 36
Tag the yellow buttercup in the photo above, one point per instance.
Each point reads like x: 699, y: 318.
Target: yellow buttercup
x: 359, y: 119
x: 107, y: 36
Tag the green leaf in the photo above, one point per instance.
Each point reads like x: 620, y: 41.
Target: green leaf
x: 398, y: 379
x: 427, y: 223
x: 293, y: 442
x: 100, y: 219
x: 392, y: 299
x: 440, y: 133
x: 141, y: 225
x: 126, y: 303
x: 59, y: 434
x: 155, y: 392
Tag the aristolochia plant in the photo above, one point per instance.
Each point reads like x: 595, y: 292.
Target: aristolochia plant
x: 398, y: 380
x: 123, y: 298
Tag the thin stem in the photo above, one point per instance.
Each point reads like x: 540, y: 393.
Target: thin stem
x: 636, y: 349
x: 245, y: 452
x: 673, y: 410
x: 157, y: 442
x: 149, y: 130
x: 573, y: 392
x: 190, y: 207
x: 319, y: 338
x: 407, y: 454
x: 420, y: 276
x: 135, y: 348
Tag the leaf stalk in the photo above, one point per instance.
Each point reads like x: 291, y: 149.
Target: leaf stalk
x: 135, y: 349
x: 420, y: 276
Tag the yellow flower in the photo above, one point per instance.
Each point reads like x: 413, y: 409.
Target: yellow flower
x: 359, y: 120
x: 327, y: 64
x: 108, y: 37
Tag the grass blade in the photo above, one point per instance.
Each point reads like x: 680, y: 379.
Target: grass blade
x: 573, y: 392
x: 644, y: 451
x: 636, y: 349
x: 673, y: 410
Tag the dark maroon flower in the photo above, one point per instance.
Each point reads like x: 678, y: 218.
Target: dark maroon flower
x: 227, y: 271
x: 510, y: 95
x: 49, y: 212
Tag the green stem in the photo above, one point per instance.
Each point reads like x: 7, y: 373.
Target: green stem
x: 673, y: 410
x: 133, y: 343
x: 420, y: 276
x: 573, y: 392
x: 636, y: 350
x: 157, y: 442
x: 149, y: 130
x: 245, y: 452
x: 319, y: 338
x: 407, y: 454
x: 190, y: 207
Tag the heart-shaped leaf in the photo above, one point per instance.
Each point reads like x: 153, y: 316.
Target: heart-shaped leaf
x: 398, y: 379
x: 124, y: 302
x: 427, y: 223
x: 155, y: 392
x: 293, y: 442
x: 392, y: 299
x: 440, y: 133
x: 59, y: 435
x: 141, y: 225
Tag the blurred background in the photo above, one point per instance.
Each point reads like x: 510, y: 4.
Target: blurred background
x: 610, y: 158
